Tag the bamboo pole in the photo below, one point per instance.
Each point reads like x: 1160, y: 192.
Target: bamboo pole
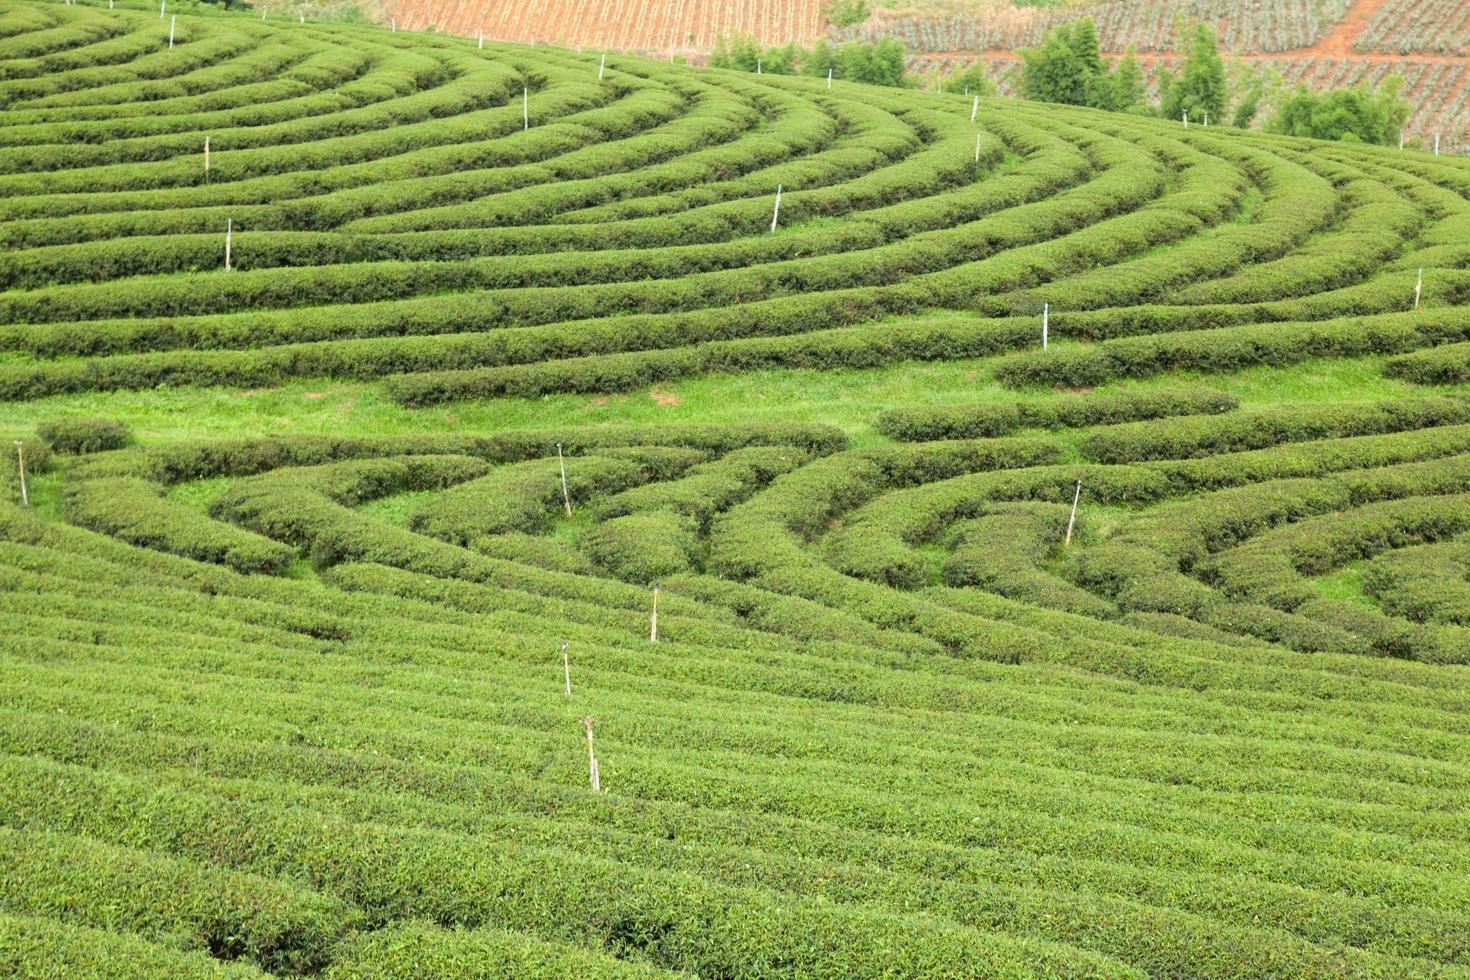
x: 1073, y: 519
x: 653, y: 620
x: 566, y: 498
x: 592, y: 757
x: 20, y: 461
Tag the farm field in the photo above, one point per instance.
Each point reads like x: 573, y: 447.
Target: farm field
x: 470, y: 528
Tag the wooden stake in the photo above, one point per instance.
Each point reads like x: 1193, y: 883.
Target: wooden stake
x: 20, y: 461
x: 1418, y: 287
x: 592, y: 758
x: 1045, y: 323
x: 1073, y: 519
x: 566, y: 666
x: 229, y: 236
x: 974, y: 108
x: 775, y: 214
x: 566, y: 498
x: 172, y: 22
x: 526, y: 107
x: 601, y: 65
x: 653, y: 620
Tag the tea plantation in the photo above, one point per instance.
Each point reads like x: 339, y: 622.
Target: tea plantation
x: 355, y: 444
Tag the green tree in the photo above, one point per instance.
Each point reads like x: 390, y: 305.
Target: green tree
x: 1200, y: 88
x: 1085, y: 45
x: 1128, y: 89
x: 1068, y: 68
x: 1361, y: 114
x: 888, y: 62
x: 1252, y: 89
x: 820, y: 57
x: 857, y: 62
x: 1054, y: 72
x: 974, y: 80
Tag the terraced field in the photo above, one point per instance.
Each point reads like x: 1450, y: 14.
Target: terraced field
x: 1137, y: 650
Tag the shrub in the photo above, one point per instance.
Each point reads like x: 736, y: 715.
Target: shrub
x: 75, y: 435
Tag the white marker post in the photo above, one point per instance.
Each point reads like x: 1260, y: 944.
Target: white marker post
x: 601, y: 66
x: 160, y: 9
x: 20, y: 461
x: 303, y: 18
x: 757, y: 66
x: 653, y: 620
x: 1045, y: 323
x: 393, y: 26
x: 526, y: 107
x: 974, y: 108
x: 1401, y: 139
x: 172, y: 23
x: 1418, y: 287
x: 829, y: 79
x: 1073, y: 519
x: 1207, y: 119
x: 206, y: 159
x: 566, y: 666
x: 592, y: 758
x: 977, y: 147
x: 229, y: 240
x: 1185, y: 115
x: 566, y: 498
x: 1436, y: 144
x: 775, y: 214
x: 480, y: 40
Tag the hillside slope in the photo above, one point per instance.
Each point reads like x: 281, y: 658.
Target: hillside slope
x: 1040, y: 546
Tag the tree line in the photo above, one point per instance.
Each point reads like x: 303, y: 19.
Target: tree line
x: 1068, y: 67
